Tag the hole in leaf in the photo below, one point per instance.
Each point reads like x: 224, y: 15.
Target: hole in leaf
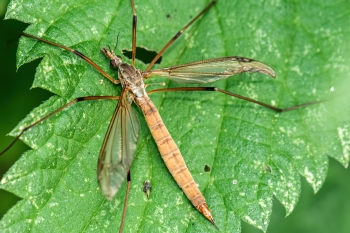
x: 207, y: 168
x: 142, y: 54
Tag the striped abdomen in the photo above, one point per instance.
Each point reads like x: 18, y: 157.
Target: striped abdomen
x: 172, y: 156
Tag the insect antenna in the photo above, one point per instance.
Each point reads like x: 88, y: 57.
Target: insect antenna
x: 116, y: 43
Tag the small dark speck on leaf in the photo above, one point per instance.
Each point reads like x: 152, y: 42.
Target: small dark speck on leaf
x: 268, y: 169
x: 207, y: 168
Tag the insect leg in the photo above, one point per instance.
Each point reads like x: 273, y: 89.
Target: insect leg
x: 179, y: 33
x: 134, y: 23
x: 235, y: 95
x: 56, y: 111
x: 128, y: 179
x: 76, y: 52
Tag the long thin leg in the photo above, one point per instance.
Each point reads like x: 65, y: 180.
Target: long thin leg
x: 76, y: 52
x: 134, y: 24
x: 128, y: 179
x: 179, y: 33
x: 235, y: 95
x: 56, y: 111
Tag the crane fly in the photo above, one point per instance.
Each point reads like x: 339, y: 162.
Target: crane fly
x: 118, y: 148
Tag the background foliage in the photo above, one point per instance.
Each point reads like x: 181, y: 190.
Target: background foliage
x: 308, y: 24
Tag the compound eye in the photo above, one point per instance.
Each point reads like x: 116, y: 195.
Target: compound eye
x: 113, y: 63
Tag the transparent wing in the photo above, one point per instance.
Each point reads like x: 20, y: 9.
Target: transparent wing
x: 211, y: 70
x: 118, y: 148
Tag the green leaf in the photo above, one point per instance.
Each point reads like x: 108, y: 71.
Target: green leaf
x: 252, y: 152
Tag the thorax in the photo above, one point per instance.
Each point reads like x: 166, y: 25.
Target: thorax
x: 131, y: 79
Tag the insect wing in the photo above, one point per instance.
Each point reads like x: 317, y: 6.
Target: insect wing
x: 118, y: 148
x: 211, y: 70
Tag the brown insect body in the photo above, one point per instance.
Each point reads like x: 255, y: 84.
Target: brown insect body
x: 131, y: 79
x: 172, y: 155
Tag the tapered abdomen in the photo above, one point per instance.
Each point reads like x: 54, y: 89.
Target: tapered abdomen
x: 172, y: 156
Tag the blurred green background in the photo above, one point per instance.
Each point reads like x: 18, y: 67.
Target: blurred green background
x: 326, y: 211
